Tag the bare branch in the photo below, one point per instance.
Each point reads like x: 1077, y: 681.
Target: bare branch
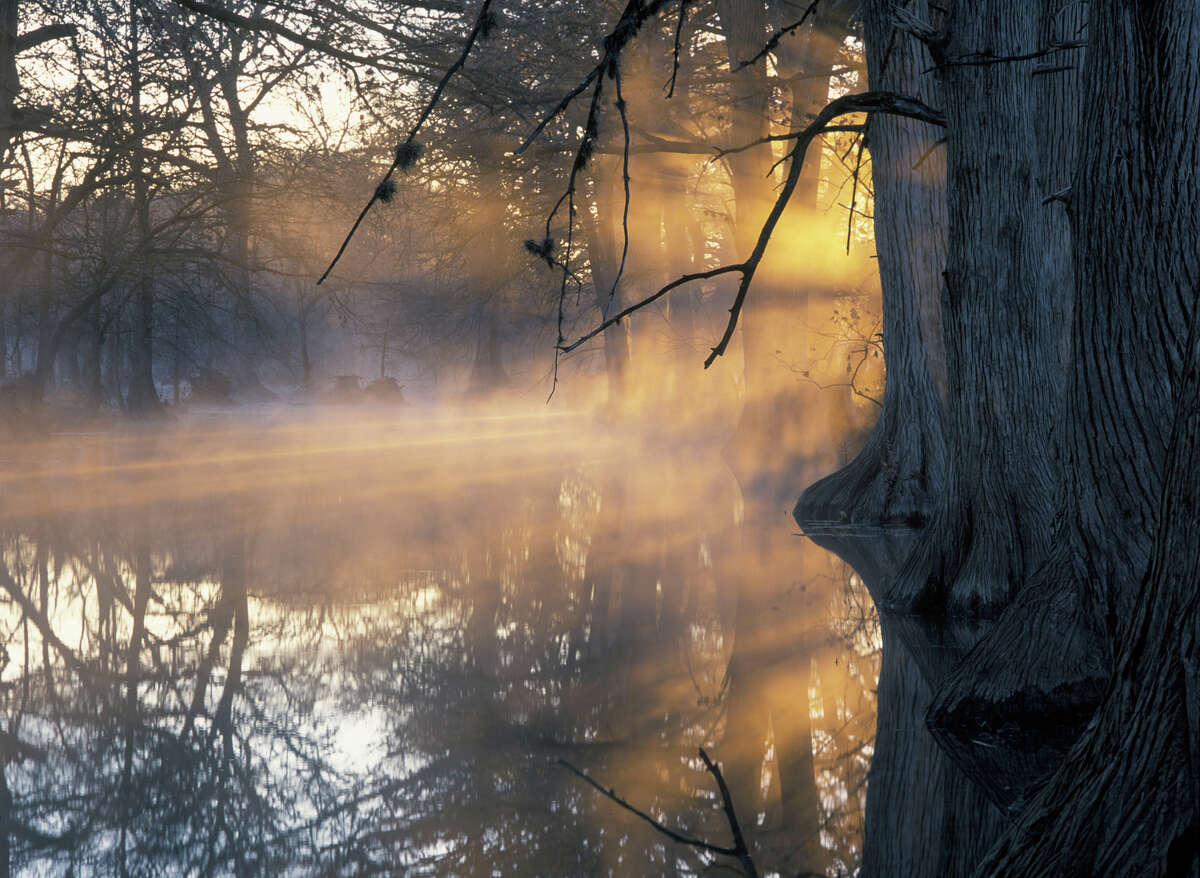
x: 780, y: 34
x: 649, y: 300
x: 739, y: 842
x: 1063, y: 195
x: 664, y: 829
x: 635, y: 15
x: 983, y: 59
x: 907, y: 21
x: 862, y: 143
x: 582, y: 156
x: 267, y: 25
x: 36, y: 37
x: 941, y: 141
x: 612, y: 294
x: 678, y: 40
x: 558, y: 109
x: 868, y: 102
x: 774, y: 138
x: 408, y: 151
x: 740, y: 851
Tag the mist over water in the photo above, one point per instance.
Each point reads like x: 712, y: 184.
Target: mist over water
x: 346, y: 642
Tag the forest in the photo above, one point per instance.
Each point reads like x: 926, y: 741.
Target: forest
x: 626, y: 437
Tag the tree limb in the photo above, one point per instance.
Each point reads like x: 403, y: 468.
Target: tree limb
x: 739, y: 851
x: 36, y: 37
x: 408, y: 151
x: 268, y: 25
x: 864, y: 102
x: 661, y: 827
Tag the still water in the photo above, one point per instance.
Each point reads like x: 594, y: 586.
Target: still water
x: 318, y: 645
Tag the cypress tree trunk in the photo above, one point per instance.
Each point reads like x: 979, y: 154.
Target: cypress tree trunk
x: 1046, y: 659
x: 900, y: 469
x: 143, y: 397
x: 1125, y: 800
x: 991, y: 527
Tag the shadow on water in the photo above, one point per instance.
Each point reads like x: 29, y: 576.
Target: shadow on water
x: 352, y: 647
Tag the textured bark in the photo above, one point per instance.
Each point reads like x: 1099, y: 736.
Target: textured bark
x: 1125, y: 800
x: 991, y: 528
x: 900, y: 468
x: 1047, y: 664
x: 1058, y: 92
x: 1018, y: 702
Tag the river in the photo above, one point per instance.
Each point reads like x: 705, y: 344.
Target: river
x: 304, y: 643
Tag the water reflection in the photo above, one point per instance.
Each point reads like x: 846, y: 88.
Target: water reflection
x: 352, y: 648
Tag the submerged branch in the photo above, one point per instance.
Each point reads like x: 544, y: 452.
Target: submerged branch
x: 738, y: 851
x: 670, y: 833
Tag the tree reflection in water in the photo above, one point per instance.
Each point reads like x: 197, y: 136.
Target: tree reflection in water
x: 349, y: 650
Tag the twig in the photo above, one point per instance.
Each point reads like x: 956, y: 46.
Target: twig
x: 408, y: 151
x: 862, y: 142
x: 925, y: 155
x: 739, y: 842
x: 983, y: 60
x: 721, y: 152
x: 634, y: 16
x: 582, y: 155
x: 770, y: 45
x: 869, y: 102
x: 561, y: 106
x: 678, y: 282
x: 738, y: 851
x: 678, y: 41
x: 630, y: 22
x: 1063, y: 195
x: 907, y: 21
x: 852, y: 383
x: 1057, y: 68
x: 661, y: 827
x: 612, y: 294
x: 885, y: 102
x: 269, y: 25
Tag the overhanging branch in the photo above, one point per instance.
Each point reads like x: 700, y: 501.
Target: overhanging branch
x: 866, y: 102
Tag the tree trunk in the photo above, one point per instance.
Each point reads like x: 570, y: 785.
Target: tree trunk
x: 10, y: 83
x: 991, y: 527
x: 93, y: 378
x: 487, y: 372
x: 1125, y: 800
x: 112, y: 380
x: 604, y: 255
x: 302, y: 313
x: 143, y: 396
x: 3, y: 340
x: 900, y: 469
